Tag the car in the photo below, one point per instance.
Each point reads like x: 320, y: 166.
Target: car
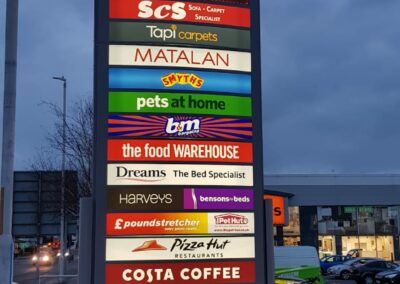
x: 44, y: 257
x: 343, y: 270
x: 388, y: 277
x: 68, y: 256
x: 365, y: 272
x: 329, y: 261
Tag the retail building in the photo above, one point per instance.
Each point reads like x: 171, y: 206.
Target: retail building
x: 338, y: 213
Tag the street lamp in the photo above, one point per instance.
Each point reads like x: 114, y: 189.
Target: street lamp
x: 62, y: 217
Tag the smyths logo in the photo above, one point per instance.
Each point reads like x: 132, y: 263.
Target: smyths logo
x: 141, y: 175
x: 182, y: 79
x: 231, y: 219
x: 182, y: 128
x: 175, y: 11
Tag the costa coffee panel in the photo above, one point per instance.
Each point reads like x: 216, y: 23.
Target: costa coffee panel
x: 179, y: 79
x: 167, y: 56
x: 179, y: 248
x: 179, y: 174
x: 175, y: 151
x: 130, y: 224
x: 169, y: 199
x: 178, y: 34
x: 180, y: 127
x: 182, y: 273
x: 199, y: 13
x: 178, y: 103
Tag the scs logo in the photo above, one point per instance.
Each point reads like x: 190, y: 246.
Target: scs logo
x: 175, y: 11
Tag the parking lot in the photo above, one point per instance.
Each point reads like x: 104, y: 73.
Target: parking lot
x: 329, y: 280
x: 26, y: 273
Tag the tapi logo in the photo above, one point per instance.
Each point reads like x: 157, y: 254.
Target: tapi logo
x: 165, y: 34
x: 231, y: 219
x: 175, y: 11
x: 182, y: 128
x: 182, y: 79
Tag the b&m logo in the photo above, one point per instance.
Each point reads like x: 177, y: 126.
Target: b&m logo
x: 182, y: 128
x: 172, y: 79
x: 175, y: 11
x: 163, y: 126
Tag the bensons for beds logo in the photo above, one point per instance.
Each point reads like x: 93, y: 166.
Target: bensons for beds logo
x: 141, y: 175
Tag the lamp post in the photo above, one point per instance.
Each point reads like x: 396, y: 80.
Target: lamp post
x: 62, y: 207
x: 8, y: 143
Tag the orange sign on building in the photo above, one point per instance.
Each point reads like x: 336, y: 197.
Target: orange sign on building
x: 278, y: 207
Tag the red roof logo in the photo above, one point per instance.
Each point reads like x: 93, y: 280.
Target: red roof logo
x: 149, y: 245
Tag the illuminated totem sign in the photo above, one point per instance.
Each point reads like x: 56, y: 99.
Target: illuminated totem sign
x: 178, y: 153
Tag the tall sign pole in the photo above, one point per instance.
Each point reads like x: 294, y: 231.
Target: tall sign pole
x: 7, y: 165
x: 178, y: 153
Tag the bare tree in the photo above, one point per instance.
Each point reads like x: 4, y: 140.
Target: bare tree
x: 79, y: 144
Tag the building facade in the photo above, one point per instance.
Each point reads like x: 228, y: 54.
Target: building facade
x: 340, y: 213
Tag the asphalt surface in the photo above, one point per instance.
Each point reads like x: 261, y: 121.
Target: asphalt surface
x: 329, y: 280
x: 26, y: 273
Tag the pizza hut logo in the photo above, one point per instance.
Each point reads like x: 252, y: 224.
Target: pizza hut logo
x: 231, y: 219
x: 149, y: 245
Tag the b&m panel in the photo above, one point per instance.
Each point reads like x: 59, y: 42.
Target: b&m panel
x: 179, y: 127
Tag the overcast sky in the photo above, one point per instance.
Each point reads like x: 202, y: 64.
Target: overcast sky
x: 331, y: 80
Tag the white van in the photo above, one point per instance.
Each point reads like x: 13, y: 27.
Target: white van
x: 298, y: 261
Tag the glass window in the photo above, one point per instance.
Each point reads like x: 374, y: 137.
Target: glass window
x: 293, y: 229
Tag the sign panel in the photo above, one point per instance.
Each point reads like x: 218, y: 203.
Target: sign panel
x: 179, y: 79
x: 168, y: 199
x: 167, y: 56
x: 178, y: 142
x: 129, y: 224
x: 279, y: 209
x: 180, y: 12
x: 179, y: 248
x: 174, y: 103
x: 178, y: 174
x: 214, y: 199
x: 179, y: 34
x: 175, y: 151
x: 196, y: 127
x: 182, y: 273
x: 148, y: 199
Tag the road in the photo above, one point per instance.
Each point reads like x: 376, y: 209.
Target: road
x: 25, y: 272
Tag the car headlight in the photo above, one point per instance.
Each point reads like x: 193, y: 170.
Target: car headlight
x: 390, y: 276
x: 58, y: 254
x: 66, y: 254
x: 34, y: 258
x: 46, y: 258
